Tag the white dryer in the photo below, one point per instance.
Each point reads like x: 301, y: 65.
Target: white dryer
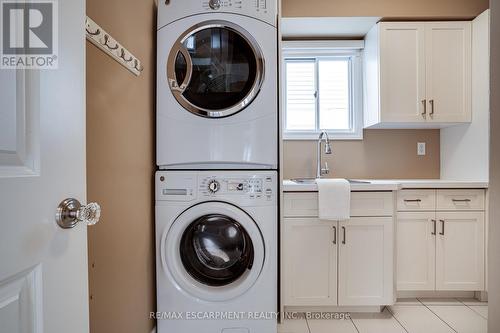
x: 216, y: 242
x: 217, y: 105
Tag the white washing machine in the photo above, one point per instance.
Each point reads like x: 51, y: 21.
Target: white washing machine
x: 217, y: 95
x: 216, y: 243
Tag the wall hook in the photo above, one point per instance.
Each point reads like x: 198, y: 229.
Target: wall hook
x: 95, y: 33
x: 106, y: 40
x: 122, y: 55
x: 138, y: 66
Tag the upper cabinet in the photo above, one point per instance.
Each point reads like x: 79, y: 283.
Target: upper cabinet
x: 418, y: 74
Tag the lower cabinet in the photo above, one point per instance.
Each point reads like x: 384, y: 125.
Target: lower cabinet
x: 460, y: 251
x: 366, y: 265
x: 440, y: 251
x: 338, y: 263
x: 416, y: 251
x: 310, y: 261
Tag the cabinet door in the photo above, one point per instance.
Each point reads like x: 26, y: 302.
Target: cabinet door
x: 416, y: 251
x: 448, y: 71
x: 310, y: 261
x: 366, y: 261
x: 460, y: 251
x: 402, y: 72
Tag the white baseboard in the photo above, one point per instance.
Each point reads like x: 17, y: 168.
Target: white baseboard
x: 436, y: 294
x: 334, y: 309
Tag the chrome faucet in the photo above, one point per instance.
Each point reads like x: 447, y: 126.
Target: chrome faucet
x: 328, y: 150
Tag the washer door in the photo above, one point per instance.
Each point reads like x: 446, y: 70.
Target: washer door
x: 214, y: 251
x: 215, y: 69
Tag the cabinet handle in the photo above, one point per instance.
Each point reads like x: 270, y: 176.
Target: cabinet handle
x: 334, y: 235
x: 424, y: 102
x: 413, y: 200
x: 432, y: 107
x: 461, y: 200
x: 434, y: 228
x: 343, y: 232
x: 442, y: 227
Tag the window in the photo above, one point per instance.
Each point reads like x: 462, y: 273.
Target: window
x: 322, y: 91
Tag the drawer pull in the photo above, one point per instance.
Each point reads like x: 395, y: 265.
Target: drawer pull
x: 434, y: 227
x: 461, y: 200
x: 442, y: 227
x: 413, y: 200
x: 343, y: 231
x: 335, y: 235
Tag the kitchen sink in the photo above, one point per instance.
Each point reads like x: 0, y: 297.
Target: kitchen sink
x: 313, y: 181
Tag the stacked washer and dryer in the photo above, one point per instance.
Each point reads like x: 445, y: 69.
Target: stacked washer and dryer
x: 217, y: 153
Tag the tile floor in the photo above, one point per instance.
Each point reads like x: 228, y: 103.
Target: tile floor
x: 406, y: 316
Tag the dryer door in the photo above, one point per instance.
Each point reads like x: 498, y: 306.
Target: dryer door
x: 214, y: 251
x: 215, y: 69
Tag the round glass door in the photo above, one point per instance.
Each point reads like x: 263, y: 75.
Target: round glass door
x: 216, y: 250
x: 215, y: 69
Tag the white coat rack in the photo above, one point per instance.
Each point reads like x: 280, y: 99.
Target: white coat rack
x: 100, y: 38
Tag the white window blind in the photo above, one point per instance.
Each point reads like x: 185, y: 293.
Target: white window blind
x: 300, y: 92
x: 322, y: 91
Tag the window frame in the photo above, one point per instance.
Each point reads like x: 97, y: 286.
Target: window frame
x: 316, y: 51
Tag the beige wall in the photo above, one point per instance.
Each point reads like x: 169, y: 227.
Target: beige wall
x: 383, y: 154
x: 120, y: 162
x: 385, y: 8
x: 494, y: 221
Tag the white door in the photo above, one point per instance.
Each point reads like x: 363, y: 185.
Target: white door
x: 460, y: 251
x: 402, y: 72
x: 310, y: 261
x: 366, y: 261
x: 416, y: 250
x: 43, y: 268
x: 448, y: 71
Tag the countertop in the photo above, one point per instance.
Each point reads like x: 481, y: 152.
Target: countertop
x: 391, y: 185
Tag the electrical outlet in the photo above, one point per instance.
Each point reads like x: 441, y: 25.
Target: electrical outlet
x: 421, y: 149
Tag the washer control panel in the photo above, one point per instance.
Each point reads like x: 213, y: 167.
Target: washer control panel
x: 255, y: 188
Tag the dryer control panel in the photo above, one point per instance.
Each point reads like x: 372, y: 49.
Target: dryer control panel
x: 172, y: 10
x: 242, y: 187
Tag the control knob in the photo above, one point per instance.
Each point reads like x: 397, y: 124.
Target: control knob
x: 213, y: 186
x: 214, y: 4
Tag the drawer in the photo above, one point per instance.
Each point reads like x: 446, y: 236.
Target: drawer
x: 460, y: 200
x: 415, y: 200
x: 372, y: 204
x: 362, y: 204
x: 301, y: 204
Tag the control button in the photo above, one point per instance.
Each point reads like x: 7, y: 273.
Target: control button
x: 214, y: 4
x: 213, y: 186
x: 269, y: 191
x: 240, y: 187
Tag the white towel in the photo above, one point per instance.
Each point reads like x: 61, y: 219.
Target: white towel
x: 334, y: 197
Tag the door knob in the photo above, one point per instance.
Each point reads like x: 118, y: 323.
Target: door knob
x: 70, y: 212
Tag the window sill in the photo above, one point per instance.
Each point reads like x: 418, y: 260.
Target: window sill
x: 295, y: 136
